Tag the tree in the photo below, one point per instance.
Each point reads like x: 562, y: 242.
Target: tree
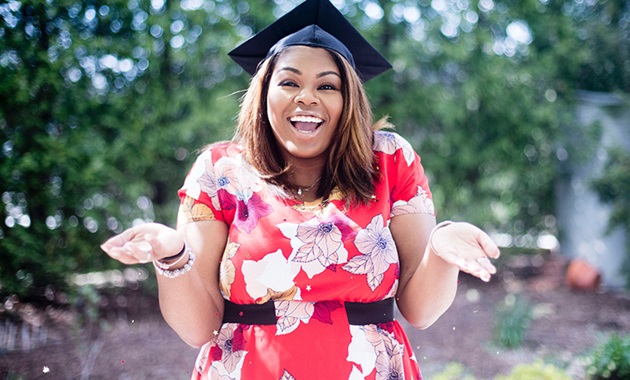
x: 105, y: 105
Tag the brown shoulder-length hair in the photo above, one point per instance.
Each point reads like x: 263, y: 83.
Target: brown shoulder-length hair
x: 351, y: 162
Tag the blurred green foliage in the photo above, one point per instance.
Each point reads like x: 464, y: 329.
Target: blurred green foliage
x: 105, y: 103
x: 453, y: 371
x: 537, y: 370
x: 611, y: 359
x: 612, y: 187
x: 512, y: 319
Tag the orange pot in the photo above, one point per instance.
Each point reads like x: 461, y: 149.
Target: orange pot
x: 581, y: 275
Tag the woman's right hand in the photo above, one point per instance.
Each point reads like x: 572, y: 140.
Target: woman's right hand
x: 144, y: 243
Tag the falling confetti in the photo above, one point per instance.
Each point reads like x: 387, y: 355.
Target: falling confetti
x: 122, y: 361
x: 46, y: 369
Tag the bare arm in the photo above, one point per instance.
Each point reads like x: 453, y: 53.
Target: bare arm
x: 428, y: 279
x: 191, y: 303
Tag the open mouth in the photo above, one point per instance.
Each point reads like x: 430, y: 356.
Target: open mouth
x: 306, y: 124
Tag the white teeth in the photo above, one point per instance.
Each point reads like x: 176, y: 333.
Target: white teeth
x: 306, y: 119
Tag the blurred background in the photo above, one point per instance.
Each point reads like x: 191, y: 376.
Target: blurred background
x: 520, y: 111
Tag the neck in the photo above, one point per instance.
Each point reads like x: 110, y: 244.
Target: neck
x: 305, y: 172
x: 305, y: 180
x: 302, y: 190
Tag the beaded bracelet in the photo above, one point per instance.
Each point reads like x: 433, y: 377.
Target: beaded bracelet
x: 438, y: 226
x: 176, y: 272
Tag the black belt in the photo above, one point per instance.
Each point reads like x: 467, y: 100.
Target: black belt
x: 359, y: 313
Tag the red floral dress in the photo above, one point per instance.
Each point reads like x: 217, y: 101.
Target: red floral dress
x: 308, y: 259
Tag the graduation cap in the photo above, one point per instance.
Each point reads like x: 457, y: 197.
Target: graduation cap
x: 315, y: 23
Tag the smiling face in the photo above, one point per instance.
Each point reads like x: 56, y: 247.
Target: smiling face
x: 304, y: 102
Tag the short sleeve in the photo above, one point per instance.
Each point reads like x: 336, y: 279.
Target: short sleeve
x: 409, y: 186
x: 199, y: 195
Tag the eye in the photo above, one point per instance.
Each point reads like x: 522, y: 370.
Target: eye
x: 288, y: 83
x: 328, y: 87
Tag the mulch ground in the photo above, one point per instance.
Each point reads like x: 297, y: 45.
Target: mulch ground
x: 131, y: 341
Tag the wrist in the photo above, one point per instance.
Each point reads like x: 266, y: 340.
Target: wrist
x: 169, y: 262
x: 183, y: 263
x: 432, y: 235
x: 175, y: 256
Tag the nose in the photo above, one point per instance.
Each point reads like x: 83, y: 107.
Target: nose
x: 306, y: 97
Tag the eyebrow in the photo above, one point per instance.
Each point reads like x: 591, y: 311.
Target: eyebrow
x: 298, y: 72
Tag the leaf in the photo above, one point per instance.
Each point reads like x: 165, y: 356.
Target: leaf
x: 360, y: 264
x: 216, y: 353
x: 323, y: 310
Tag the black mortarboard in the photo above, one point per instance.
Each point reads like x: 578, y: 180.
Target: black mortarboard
x: 314, y: 23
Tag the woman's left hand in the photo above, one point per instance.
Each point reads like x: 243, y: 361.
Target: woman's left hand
x: 466, y: 247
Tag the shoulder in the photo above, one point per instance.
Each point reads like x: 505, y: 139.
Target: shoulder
x: 391, y: 143
x: 219, y: 150
x: 223, y: 148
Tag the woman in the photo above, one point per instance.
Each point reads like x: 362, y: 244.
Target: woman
x: 301, y: 232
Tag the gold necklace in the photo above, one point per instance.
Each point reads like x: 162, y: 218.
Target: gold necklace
x: 317, y: 206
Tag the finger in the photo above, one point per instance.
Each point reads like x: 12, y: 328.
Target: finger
x: 483, y: 269
x: 119, y: 240
x: 122, y: 255
x: 453, y: 259
x: 488, y: 245
x: 476, y: 269
x: 141, y: 250
x: 485, y: 263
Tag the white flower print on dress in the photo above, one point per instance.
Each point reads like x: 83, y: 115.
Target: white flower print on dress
x: 389, y: 142
x: 227, y: 352
x: 378, y: 251
x: 227, y: 170
x: 215, y: 375
x: 274, y: 272
x: 291, y: 313
x: 361, y: 351
x: 389, y: 362
x: 225, y: 176
x: 201, y: 179
x: 374, y: 347
x: 318, y: 243
x: 419, y: 204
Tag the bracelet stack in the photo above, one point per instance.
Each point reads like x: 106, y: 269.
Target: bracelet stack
x: 165, y: 270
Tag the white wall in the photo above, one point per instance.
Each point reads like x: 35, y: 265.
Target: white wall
x: 582, y: 218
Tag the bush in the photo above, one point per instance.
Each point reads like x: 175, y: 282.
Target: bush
x: 453, y: 371
x: 611, y: 360
x: 535, y: 371
x: 513, y: 317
